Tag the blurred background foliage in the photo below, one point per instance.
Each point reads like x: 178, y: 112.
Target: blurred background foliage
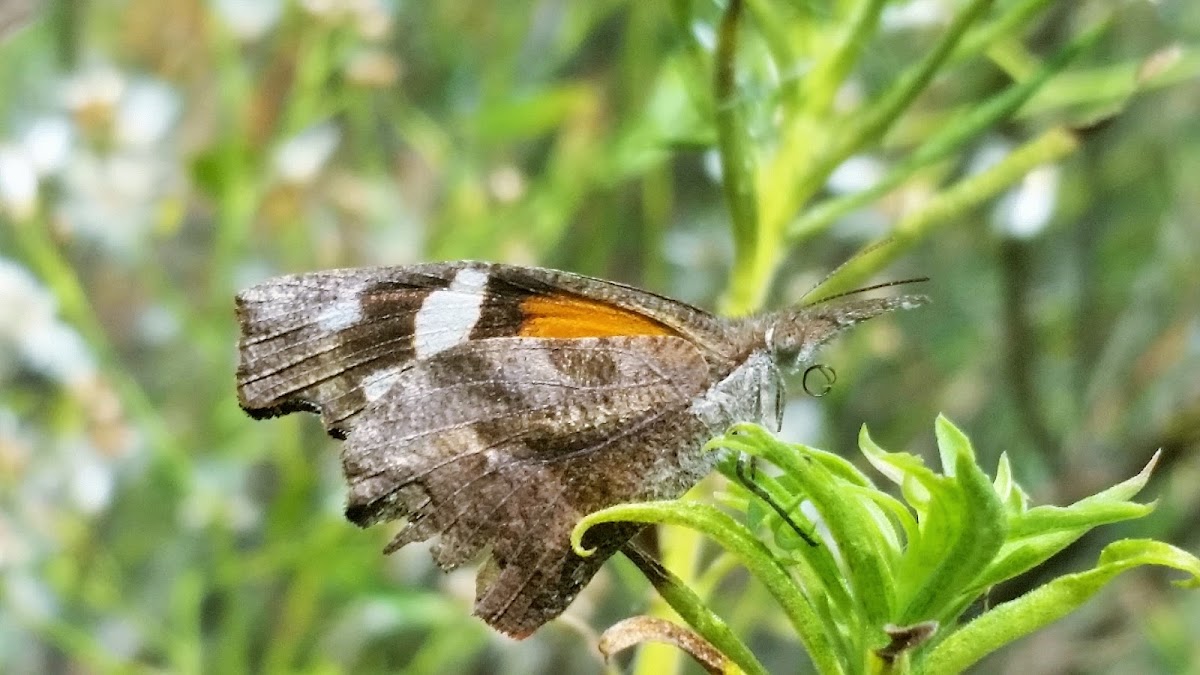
x: 156, y: 156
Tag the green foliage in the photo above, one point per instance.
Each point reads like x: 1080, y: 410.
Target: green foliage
x: 929, y: 559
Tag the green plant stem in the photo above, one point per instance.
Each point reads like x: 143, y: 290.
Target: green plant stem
x: 797, y: 172
x: 691, y: 608
x: 822, y: 84
x: 736, y: 152
x: 780, y: 37
x: 291, y: 631
x: 753, y: 554
x: 185, y: 653
x: 880, y: 117
x: 1008, y: 24
x: 1110, y: 84
x: 955, y: 202
x: 681, y: 549
x: 1051, y: 145
x: 940, y: 146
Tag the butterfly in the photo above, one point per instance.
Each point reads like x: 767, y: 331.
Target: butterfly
x: 492, y: 406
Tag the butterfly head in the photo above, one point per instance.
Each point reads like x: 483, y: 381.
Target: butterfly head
x: 793, y: 336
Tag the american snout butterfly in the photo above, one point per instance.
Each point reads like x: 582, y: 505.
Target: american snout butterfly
x: 494, y: 405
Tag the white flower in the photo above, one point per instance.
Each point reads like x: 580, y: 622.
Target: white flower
x: 30, y: 328
x: 915, y: 14
x: 47, y: 143
x: 856, y: 174
x: 507, y: 184
x: 145, y: 115
x: 249, y: 20
x: 29, y: 596
x: 325, y: 9
x: 1026, y: 210
x: 987, y: 156
x: 711, y: 161
x: 91, y: 481
x: 121, y: 637
x: 114, y: 196
x: 300, y: 159
x: 112, y: 199
x: 97, y: 87
x: 18, y: 183
x: 158, y: 325
x: 371, y: 18
x: 57, y: 351
x: 218, y: 494
x: 705, y: 35
x: 373, y: 68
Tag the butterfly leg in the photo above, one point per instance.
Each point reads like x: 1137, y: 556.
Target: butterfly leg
x: 745, y: 472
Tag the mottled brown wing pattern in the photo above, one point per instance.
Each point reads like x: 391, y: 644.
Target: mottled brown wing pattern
x: 325, y: 342
x: 332, y: 342
x: 501, y: 445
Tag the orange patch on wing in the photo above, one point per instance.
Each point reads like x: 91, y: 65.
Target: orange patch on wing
x: 567, y: 316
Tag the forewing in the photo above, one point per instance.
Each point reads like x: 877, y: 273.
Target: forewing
x: 333, y: 342
x: 328, y: 342
x: 501, y: 445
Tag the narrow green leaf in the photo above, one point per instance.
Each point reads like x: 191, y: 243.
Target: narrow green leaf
x: 959, y: 130
x: 533, y: 115
x: 1020, y: 556
x: 951, y: 444
x: 1046, y: 519
x: 1014, y: 498
x: 850, y: 524
x: 1009, y: 22
x: 1042, y: 531
x: 840, y: 467
x: 1126, y: 489
x: 895, y: 509
x: 973, y: 534
x: 874, y: 122
x: 820, y: 569
x: 1017, y: 618
x: 691, y: 608
x: 740, y: 542
x: 903, y: 469
x: 821, y: 85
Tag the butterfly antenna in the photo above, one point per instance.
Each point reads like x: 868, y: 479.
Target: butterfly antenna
x: 867, y: 289
x: 870, y: 248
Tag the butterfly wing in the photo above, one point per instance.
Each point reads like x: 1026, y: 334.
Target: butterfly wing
x: 502, y: 445
x: 326, y: 342
x: 333, y: 342
x: 493, y: 406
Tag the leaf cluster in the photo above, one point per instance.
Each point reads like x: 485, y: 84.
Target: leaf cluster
x: 888, y: 568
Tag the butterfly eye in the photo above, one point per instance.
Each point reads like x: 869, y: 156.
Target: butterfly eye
x: 788, y: 343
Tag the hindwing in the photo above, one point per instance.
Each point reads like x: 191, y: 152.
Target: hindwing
x: 502, y: 445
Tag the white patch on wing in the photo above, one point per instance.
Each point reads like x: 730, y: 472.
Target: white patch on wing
x: 378, y: 383
x: 447, y: 316
x: 344, y: 311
